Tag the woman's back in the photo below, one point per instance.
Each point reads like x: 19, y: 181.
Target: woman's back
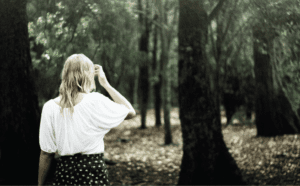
x: 94, y: 115
x: 74, y: 124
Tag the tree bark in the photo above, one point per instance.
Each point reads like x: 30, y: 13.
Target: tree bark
x: 206, y: 159
x: 144, y: 73
x: 20, y: 116
x: 274, y: 113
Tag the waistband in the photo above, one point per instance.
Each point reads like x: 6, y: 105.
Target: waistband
x: 80, y: 155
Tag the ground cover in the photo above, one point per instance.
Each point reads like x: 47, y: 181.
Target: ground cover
x: 144, y: 160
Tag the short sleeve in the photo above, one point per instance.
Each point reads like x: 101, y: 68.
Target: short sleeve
x: 108, y: 114
x: 47, y: 133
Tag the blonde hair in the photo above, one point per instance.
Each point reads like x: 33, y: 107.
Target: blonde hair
x: 77, y: 77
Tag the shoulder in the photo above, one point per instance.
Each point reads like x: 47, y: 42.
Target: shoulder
x: 57, y: 99
x: 96, y: 96
x: 47, y: 107
x: 50, y: 102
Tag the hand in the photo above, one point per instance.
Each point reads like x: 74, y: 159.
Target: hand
x: 101, y: 75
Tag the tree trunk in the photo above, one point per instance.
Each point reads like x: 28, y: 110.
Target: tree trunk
x: 157, y: 85
x: 144, y: 74
x: 274, y: 113
x: 166, y: 84
x: 206, y: 159
x: 218, y: 65
x: 232, y: 99
x: 135, y: 87
x: 20, y: 116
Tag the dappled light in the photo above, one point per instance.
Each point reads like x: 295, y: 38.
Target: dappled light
x: 143, y: 160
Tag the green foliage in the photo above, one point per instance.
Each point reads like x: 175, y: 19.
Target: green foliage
x: 105, y: 31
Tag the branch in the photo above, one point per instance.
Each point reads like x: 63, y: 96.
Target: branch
x: 96, y: 50
x: 234, y: 35
x: 172, y: 29
x: 229, y: 22
x: 215, y: 11
x: 234, y: 54
x: 213, y: 43
x: 141, y: 10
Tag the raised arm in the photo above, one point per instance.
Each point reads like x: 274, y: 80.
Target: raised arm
x: 116, y: 96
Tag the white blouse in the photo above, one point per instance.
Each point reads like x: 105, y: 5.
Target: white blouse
x: 93, y: 117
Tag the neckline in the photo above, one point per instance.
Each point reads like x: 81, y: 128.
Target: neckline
x: 75, y: 105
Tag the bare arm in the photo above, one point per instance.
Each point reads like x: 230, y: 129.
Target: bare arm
x: 44, y: 166
x: 116, y: 96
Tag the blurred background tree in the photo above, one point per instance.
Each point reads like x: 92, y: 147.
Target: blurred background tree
x: 20, y: 115
x: 275, y: 38
x: 143, y: 78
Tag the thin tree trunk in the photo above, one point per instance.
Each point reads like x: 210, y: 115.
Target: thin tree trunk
x: 20, y: 115
x: 166, y: 85
x: 156, y: 70
x: 144, y: 73
x: 206, y: 159
x: 135, y: 88
x: 218, y: 65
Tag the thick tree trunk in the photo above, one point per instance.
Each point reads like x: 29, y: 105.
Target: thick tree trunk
x: 206, y: 159
x: 20, y: 116
x: 144, y: 73
x: 156, y: 70
x: 274, y: 113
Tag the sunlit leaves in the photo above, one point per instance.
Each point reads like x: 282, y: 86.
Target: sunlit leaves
x: 40, y: 21
x: 41, y: 38
x: 31, y: 29
x: 60, y: 6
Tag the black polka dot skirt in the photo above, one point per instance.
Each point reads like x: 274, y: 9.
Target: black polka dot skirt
x: 81, y: 169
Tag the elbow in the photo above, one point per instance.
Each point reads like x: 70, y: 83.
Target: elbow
x: 131, y: 114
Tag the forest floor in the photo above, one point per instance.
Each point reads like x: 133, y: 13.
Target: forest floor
x: 142, y: 159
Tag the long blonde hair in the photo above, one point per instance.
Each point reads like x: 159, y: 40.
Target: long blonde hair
x: 77, y: 77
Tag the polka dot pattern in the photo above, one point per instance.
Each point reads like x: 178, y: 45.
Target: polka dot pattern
x: 81, y: 169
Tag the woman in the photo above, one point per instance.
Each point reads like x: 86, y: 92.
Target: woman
x: 75, y: 123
